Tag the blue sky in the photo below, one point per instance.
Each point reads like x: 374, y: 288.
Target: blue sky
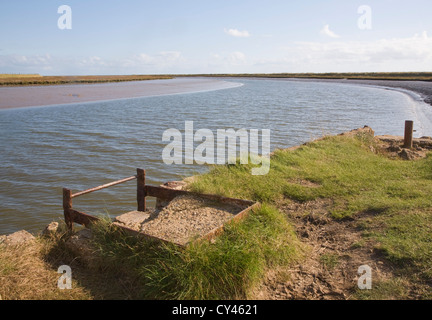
x: 201, y: 36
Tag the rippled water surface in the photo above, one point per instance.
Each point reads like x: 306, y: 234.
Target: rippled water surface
x: 84, y: 145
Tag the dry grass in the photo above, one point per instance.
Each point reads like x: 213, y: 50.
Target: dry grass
x: 25, y: 80
x: 15, y: 76
x: 25, y: 275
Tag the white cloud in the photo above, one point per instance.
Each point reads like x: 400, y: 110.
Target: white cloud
x: 237, y: 33
x: 236, y: 58
x: 327, y: 32
x: 92, y: 61
x: 381, y: 55
x: 25, y: 61
x: 397, y: 54
x: 227, y: 62
x: 391, y: 54
x: 415, y: 48
x: 163, y: 62
x: 169, y: 56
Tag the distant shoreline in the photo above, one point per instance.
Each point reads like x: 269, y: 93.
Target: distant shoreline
x: 423, y: 88
x: 419, y: 83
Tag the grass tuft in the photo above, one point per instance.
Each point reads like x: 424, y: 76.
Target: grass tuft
x: 228, y: 268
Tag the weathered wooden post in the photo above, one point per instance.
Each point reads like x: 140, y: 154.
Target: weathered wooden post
x: 67, y: 206
x: 408, y: 139
x: 141, y: 193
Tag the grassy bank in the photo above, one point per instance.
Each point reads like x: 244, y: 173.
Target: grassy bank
x: 341, y: 168
x: 387, y: 200
x: 342, y: 185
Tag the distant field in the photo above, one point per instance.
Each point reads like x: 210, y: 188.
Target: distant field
x: 35, y: 79
x: 413, y: 76
x: 16, y: 76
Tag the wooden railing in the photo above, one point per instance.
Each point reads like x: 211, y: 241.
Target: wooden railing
x: 160, y: 193
x: 72, y: 215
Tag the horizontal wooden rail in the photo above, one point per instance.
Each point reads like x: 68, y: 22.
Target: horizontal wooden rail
x: 103, y: 186
x: 72, y: 215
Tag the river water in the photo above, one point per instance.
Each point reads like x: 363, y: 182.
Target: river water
x: 86, y: 144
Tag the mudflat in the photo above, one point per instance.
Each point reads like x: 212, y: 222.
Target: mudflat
x: 29, y: 96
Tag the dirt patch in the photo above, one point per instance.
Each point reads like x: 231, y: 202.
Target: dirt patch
x: 392, y: 147
x: 330, y: 269
x: 305, y: 183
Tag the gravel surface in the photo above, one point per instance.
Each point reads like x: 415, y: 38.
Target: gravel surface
x: 186, y: 217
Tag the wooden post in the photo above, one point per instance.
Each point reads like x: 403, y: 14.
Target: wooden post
x: 141, y: 193
x: 408, y: 139
x: 67, y: 206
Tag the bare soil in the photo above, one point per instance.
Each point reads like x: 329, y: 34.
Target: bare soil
x: 392, y: 146
x: 335, y: 252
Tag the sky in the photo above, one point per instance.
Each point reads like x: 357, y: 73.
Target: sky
x: 219, y: 36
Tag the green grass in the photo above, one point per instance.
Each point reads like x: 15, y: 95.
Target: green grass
x: 391, y: 199
x: 406, y: 239
x: 341, y: 168
x: 228, y: 268
x: 393, y: 289
x: 329, y: 260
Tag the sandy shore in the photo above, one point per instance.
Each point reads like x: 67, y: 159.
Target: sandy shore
x: 31, y: 96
